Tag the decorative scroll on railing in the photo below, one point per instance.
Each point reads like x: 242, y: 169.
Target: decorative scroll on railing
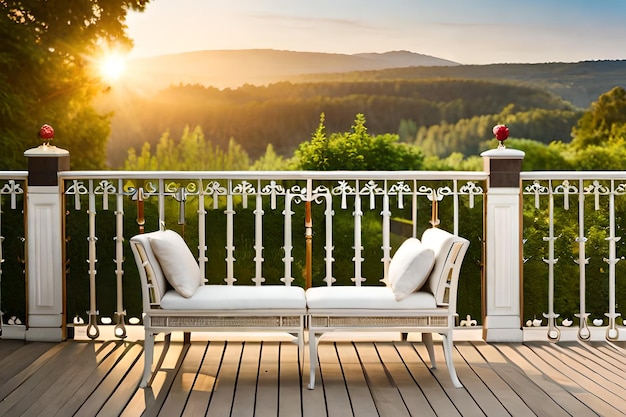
x: 251, y: 227
x: 12, y: 272
x: 577, y: 232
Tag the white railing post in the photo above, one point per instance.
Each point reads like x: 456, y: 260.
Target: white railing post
x: 44, y: 240
x: 502, y: 304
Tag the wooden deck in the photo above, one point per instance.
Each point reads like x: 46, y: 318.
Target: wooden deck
x: 253, y: 378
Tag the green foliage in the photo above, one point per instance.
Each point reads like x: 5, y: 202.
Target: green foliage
x: 604, y: 122
x: 541, y: 157
x: 356, y: 150
x: 270, y: 161
x: 285, y: 114
x: 193, y: 152
x: 46, y: 52
x: 610, y: 157
x: 470, y: 136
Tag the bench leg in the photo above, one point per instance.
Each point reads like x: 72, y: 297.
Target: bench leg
x: 447, y: 350
x: 313, y: 342
x: 427, y: 338
x: 148, y: 351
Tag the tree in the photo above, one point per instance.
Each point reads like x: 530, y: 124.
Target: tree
x: 356, y: 150
x: 603, y: 121
x: 270, y: 161
x: 191, y: 153
x: 540, y: 157
x: 48, y: 51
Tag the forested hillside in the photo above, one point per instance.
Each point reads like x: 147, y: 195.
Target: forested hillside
x: 286, y: 114
x: 579, y: 83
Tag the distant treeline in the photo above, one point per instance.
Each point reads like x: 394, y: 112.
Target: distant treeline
x: 286, y: 114
x: 577, y: 82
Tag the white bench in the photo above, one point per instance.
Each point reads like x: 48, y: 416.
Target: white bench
x: 419, y: 297
x: 397, y: 307
x: 193, y: 306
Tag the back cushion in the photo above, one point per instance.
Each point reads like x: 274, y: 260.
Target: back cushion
x: 177, y: 262
x: 409, y: 267
x: 440, y: 242
x: 160, y: 282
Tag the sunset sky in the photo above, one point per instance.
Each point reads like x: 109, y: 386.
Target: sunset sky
x: 465, y: 31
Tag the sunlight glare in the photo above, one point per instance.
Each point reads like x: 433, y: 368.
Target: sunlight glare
x: 112, y: 67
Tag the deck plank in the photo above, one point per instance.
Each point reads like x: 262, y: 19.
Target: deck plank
x: 592, y: 379
x: 36, y: 367
x: 66, y: 383
x: 570, y: 381
x: 17, y: 355
x: 224, y: 390
x: 358, y: 389
x: 537, y: 401
x: 182, y: 384
x: 246, y: 387
x: 290, y: 381
x: 572, y: 405
x: 266, y: 398
x: 475, y: 354
x: 198, y: 400
x: 107, y: 383
x: 612, y: 377
x: 332, y: 381
x: 106, y: 356
x: 142, y: 397
x: 410, y: 391
x: 20, y: 398
x: 444, y: 398
x: 386, y: 396
x: 313, y: 401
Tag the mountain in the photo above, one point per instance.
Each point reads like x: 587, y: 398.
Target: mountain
x: 233, y: 68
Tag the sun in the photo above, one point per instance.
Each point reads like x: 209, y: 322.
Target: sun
x: 112, y: 67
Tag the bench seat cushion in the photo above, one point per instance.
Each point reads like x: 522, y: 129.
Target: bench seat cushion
x: 237, y: 297
x: 366, y: 297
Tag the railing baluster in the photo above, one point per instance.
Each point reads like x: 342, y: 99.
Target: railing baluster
x: 92, y: 329
x: 611, y: 332
x: 386, y: 229
x: 358, y: 247
x: 230, y: 248
x: 258, y: 236
x: 583, y: 329
x: 120, y: 328
x: 287, y: 239
x: 202, y: 248
x: 329, y: 247
x: 554, y: 333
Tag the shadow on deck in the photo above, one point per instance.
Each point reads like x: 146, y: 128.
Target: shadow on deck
x: 252, y: 378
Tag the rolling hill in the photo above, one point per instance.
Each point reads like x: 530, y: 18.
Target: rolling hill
x: 233, y: 68
x: 580, y: 83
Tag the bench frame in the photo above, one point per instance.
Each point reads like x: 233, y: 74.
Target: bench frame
x: 440, y: 320
x: 157, y: 320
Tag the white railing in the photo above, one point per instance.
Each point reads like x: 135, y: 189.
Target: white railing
x: 573, y: 230
x: 254, y: 228
x: 12, y: 254
x: 263, y: 221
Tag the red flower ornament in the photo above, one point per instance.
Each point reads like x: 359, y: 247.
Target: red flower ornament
x: 501, y: 132
x: 46, y: 133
